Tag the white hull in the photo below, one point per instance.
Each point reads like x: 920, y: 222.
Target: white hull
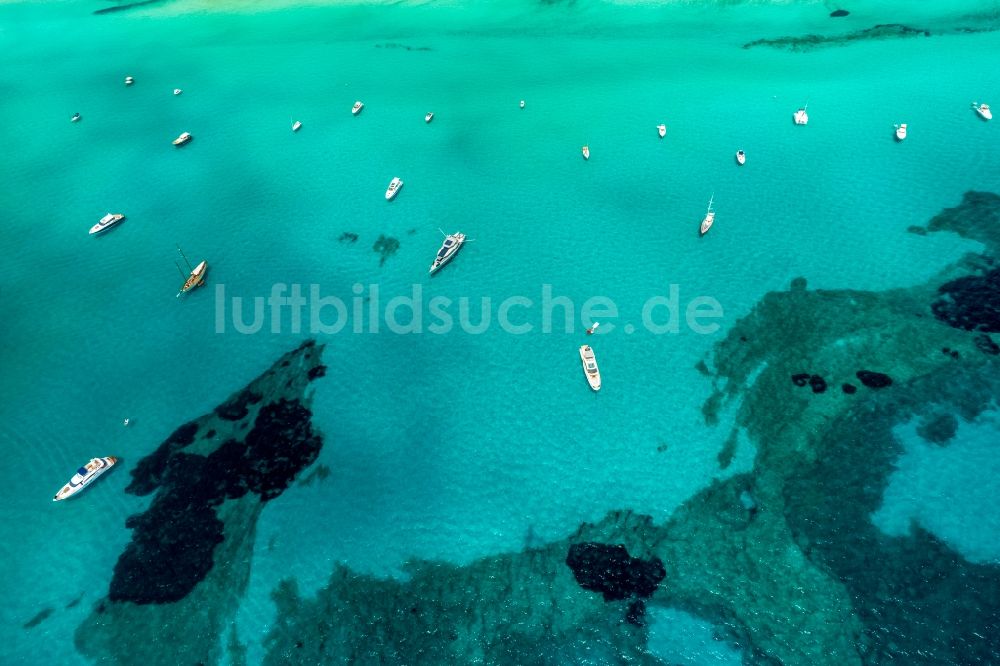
x: 296, y: 125
x: 177, y: 91
x: 741, y: 157
x: 85, y: 476
x: 983, y: 110
x: 590, y: 369
x: 393, y: 189
x: 429, y: 117
x: 801, y: 117
x: 661, y: 130
x: 709, y: 220
x: 183, y: 138
x: 107, y: 222
x: 900, y: 132
x: 586, y: 152
x: 452, y: 244
x: 356, y: 109
x: 522, y: 103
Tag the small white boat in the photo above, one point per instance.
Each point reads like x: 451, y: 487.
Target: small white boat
x: 126, y: 422
x: 76, y: 117
x: 356, y: 109
x: 900, y: 132
x: 706, y: 224
x: 183, y: 138
x: 85, y: 476
x: 129, y: 80
x: 586, y: 152
x: 741, y: 157
x: 522, y: 103
x: 983, y: 110
x: 195, y: 278
x: 451, y: 245
x: 296, y: 125
x: 590, y: 369
x: 393, y: 189
x: 801, y: 117
x: 661, y: 129
x: 177, y: 91
x: 590, y: 331
x: 107, y: 222
x: 429, y: 117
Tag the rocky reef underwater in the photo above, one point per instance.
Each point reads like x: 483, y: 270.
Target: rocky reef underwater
x: 785, y: 561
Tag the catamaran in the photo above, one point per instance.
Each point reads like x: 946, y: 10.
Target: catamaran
x: 706, y: 224
x: 393, y: 189
x: 195, y: 278
x: 449, y: 248
x: 590, y: 370
x: 661, y: 129
x: 983, y: 110
x: 85, y: 476
x: 801, y: 117
x: 900, y: 132
x: 107, y: 222
x: 356, y: 109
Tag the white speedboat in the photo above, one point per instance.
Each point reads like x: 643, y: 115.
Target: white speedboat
x: 522, y: 103
x: 801, y: 117
x: 393, y: 189
x: 107, y: 222
x: 983, y: 110
x: 183, y: 138
x: 586, y: 152
x: 76, y: 117
x: 85, y: 476
x: 900, y: 132
x: 129, y: 80
x: 590, y: 369
x: 452, y: 243
x: 741, y: 157
x: 429, y: 117
x: 177, y: 91
x: 296, y: 125
x: 706, y: 224
x: 356, y: 109
x: 661, y: 129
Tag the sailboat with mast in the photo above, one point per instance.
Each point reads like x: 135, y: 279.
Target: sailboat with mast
x: 706, y: 224
x: 195, y: 278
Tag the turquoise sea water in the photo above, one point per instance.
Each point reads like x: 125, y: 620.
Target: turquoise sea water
x: 448, y: 446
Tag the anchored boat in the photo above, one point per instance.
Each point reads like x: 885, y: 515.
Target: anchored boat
x: 85, y: 476
x: 195, y: 278
x: 706, y: 224
x: 590, y: 369
x: 452, y: 243
x: 107, y: 222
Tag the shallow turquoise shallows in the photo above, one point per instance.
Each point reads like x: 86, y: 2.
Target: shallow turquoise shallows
x: 446, y: 445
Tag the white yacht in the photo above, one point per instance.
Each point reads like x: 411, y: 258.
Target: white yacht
x: 590, y: 369
x: 76, y: 117
x: 393, y: 188
x: 900, y: 132
x: 801, y: 117
x: 983, y: 110
x: 449, y: 248
x: 706, y: 224
x: 429, y: 117
x: 586, y: 152
x: 741, y: 157
x: 296, y: 125
x: 177, y: 91
x: 522, y: 103
x: 85, y: 476
x: 107, y: 222
x: 356, y: 109
x: 661, y: 129
x: 183, y: 138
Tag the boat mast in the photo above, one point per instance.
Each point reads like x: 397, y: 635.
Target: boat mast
x: 710, y: 200
x: 185, y: 259
x: 180, y: 271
